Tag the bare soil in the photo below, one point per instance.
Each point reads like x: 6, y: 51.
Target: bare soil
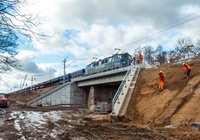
x: 79, y: 124
x: 177, y: 104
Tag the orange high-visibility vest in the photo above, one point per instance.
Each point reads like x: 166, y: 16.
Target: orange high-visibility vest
x: 161, y: 77
x: 187, y: 67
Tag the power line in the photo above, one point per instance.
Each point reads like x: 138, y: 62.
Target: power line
x: 167, y: 27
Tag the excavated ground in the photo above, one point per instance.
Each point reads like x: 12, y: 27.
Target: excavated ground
x: 177, y: 104
x: 79, y: 124
x: 21, y: 99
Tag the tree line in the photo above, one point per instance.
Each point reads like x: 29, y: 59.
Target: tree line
x: 184, y: 49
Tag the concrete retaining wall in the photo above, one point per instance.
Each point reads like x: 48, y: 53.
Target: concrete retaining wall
x: 66, y: 95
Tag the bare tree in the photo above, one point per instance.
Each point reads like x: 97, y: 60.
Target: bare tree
x: 13, y: 25
x: 161, y: 55
x: 173, y: 56
x: 184, y: 47
x: 196, y: 49
x: 148, y: 53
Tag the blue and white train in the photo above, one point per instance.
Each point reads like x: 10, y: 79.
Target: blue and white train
x: 113, y: 62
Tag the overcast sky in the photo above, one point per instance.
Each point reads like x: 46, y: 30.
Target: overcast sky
x: 82, y: 29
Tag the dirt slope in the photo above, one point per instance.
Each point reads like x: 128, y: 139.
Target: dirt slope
x: 24, y: 97
x: 177, y: 104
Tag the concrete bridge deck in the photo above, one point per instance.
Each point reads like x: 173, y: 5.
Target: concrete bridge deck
x: 108, y: 77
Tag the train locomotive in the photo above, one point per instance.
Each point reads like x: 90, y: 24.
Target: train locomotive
x: 113, y: 62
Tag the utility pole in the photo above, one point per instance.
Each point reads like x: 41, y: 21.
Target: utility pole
x: 24, y: 81
x: 64, y: 61
x: 32, y: 83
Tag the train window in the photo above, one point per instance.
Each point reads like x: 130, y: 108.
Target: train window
x: 117, y: 56
x: 106, y: 60
x: 91, y: 65
x: 100, y: 62
x: 96, y: 64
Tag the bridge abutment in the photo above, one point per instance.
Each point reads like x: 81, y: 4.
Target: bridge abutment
x: 68, y: 95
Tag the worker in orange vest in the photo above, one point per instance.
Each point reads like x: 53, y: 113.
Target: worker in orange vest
x: 141, y: 58
x: 162, y: 80
x: 187, y: 69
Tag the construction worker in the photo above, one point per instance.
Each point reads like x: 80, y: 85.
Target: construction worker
x: 161, y: 82
x: 133, y: 59
x: 141, y: 58
x: 187, y: 69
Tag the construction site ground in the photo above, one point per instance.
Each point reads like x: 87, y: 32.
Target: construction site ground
x: 79, y: 124
x: 177, y: 104
x: 151, y: 114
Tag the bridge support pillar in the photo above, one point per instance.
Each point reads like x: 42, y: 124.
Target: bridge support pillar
x: 91, y: 102
x: 100, y: 98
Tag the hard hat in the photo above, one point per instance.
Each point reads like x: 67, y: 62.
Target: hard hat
x: 183, y: 63
x: 160, y: 72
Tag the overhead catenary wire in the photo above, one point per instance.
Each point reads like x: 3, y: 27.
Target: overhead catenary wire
x: 161, y: 30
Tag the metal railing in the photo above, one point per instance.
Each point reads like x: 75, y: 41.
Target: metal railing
x: 116, y: 97
x: 122, y: 93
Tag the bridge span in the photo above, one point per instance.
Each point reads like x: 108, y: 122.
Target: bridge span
x: 112, y: 77
x: 95, y: 92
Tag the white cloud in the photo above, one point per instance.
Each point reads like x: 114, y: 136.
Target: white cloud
x: 26, y: 54
x: 103, y: 26
x: 190, y: 10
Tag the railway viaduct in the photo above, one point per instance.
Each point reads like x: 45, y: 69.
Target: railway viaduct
x: 88, y: 91
x: 108, y: 91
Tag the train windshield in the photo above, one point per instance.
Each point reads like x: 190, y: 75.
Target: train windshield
x: 117, y: 56
x: 127, y: 56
